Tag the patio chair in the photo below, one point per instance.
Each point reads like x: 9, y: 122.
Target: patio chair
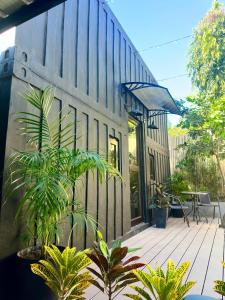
x: 176, y: 203
x: 205, y: 201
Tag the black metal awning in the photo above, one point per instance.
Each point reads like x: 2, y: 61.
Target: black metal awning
x: 152, y: 94
x: 15, y: 12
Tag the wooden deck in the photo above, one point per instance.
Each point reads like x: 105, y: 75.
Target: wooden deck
x: 202, y: 244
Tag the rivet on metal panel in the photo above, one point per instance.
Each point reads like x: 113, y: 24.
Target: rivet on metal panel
x: 24, y: 72
x: 24, y: 56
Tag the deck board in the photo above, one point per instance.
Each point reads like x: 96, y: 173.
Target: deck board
x: 202, y: 244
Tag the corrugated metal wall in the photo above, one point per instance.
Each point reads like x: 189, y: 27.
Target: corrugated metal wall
x: 80, y: 48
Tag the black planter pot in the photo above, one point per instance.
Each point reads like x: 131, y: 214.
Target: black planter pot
x: 17, y: 282
x: 161, y: 216
x: 151, y: 212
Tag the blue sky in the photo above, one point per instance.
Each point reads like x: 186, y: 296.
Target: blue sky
x: 152, y: 22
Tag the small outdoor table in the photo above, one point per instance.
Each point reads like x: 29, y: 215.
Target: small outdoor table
x: 194, y: 199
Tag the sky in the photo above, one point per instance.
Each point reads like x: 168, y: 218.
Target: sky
x: 7, y: 39
x: 153, y: 22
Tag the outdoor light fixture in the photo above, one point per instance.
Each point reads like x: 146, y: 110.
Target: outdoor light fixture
x: 133, y: 112
x: 136, y: 113
x: 152, y: 126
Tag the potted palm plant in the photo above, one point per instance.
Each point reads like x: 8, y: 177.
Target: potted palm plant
x: 46, y: 177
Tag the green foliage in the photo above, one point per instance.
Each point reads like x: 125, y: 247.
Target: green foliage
x: 205, y: 120
x: 160, y: 285
x: 207, y: 53
x: 176, y: 131
x: 63, y: 272
x: 199, y: 168
x: 219, y: 286
x: 47, y: 174
x: 114, y: 272
x: 178, y: 183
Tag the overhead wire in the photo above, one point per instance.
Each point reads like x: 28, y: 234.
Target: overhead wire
x: 173, y: 77
x: 166, y: 43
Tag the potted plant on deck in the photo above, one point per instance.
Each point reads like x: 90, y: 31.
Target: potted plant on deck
x: 161, y: 207
x: 46, y: 176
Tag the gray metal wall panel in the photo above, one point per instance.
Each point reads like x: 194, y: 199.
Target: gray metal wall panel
x: 69, y: 45
x: 93, y: 49
x: 82, y: 50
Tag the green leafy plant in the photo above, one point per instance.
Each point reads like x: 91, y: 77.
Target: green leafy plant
x: 114, y: 272
x: 160, y: 285
x: 62, y: 272
x: 219, y: 286
x: 47, y: 174
x: 178, y: 183
x: 160, y: 199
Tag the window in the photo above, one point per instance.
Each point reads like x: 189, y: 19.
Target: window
x: 114, y: 157
x: 152, y: 166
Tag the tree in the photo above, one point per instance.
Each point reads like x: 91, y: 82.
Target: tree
x: 207, y: 54
x: 205, y: 121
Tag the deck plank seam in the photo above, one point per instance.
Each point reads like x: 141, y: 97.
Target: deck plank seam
x: 192, y: 265
x: 203, y: 286
x: 200, y: 227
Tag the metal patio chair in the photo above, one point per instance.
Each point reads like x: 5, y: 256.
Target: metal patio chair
x: 175, y: 203
x: 205, y: 201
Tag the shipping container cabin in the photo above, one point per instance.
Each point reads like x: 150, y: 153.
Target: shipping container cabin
x: 80, y: 49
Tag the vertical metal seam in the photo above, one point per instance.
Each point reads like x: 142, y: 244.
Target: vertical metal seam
x: 45, y: 39
x: 62, y: 40
x: 121, y: 171
x: 125, y: 59
x: 114, y: 195
x: 97, y: 81
x: 97, y: 215
x: 88, y: 47
x: 77, y: 42
x: 130, y: 60
x: 107, y: 183
x: 106, y: 60
x: 74, y: 187
x: 120, y: 72
x: 113, y: 65
x: 86, y: 184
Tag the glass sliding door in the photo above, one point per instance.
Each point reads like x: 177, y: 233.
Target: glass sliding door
x: 134, y: 169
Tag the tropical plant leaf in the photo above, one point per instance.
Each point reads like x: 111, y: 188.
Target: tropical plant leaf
x: 61, y: 272
x: 142, y: 292
x: 114, y: 273
x: 160, y: 285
